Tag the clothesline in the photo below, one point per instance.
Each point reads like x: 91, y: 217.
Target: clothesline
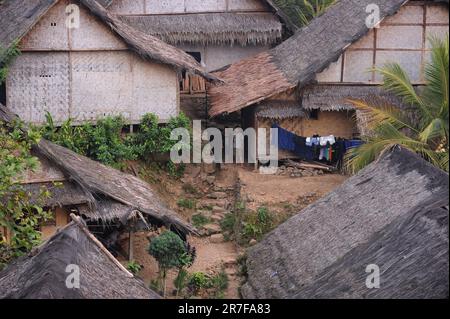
x: 321, y: 148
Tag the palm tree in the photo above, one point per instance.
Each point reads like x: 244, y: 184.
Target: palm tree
x: 301, y: 12
x: 423, y: 131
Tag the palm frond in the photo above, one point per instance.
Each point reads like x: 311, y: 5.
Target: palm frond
x: 396, y: 81
x: 378, y: 111
x: 437, y: 77
x: 437, y: 129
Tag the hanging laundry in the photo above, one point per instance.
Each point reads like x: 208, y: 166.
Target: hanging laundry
x: 349, y: 144
x: 327, y: 139
x: 285, y: 139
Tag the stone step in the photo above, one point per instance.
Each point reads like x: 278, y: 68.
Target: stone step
x: 217, y: 238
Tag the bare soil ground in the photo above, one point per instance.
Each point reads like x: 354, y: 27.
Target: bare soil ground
x: 202, y: 185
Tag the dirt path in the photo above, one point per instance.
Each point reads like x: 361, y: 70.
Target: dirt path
x: 213, y: 193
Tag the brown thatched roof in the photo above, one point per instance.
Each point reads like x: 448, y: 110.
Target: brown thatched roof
x: 335, y: 97
x: 279, y: 109
x: 394, y: 214
x: 210, y: 28
x: 42, y: 274
x: 17, y: 18
x: 95, y: 180
x: 296, y: 61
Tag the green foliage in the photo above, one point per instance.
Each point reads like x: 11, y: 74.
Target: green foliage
x: 301, y: 12
x: 426, y: 132
x: 216, y: 285
x: 198, y: 281
x: 104, y: 141
x: 134, y: 267
x: 7, y: 56
x: 181, y: 280
x: 18, y: 214
x: 199, y: 220
x: 170, y: 252
x: 186, y: 203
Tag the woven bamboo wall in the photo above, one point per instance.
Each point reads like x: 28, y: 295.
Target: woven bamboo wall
x: 184, y: 6
x: 86, y: 74
x: 401, y: 38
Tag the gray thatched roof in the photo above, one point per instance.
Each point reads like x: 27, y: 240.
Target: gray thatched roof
x: 279, y: 109
x: 17, y: 18
x: 296, y: 61
x: 42, y: 274
x: 95, y: 180
x: 394, y: 214
x: 210, y: 28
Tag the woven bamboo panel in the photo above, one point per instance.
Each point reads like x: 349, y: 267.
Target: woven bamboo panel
x: 39, y: 82
x: 94, y: 35
x: 206, y: 6
x: 243, y: 5
x: 102, y: 85
x: 166, y: 6
x: 127, y: 7
x: 50, y: 32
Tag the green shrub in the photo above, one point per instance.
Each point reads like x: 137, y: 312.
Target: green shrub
x: 198, y: 281
x: 220, y: 281
x: 134, y: 267
x: 199, y: 220
x: 186, y: 203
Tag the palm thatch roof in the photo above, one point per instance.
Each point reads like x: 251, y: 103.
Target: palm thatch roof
x: 17, y: 18
x: 95, y: 181
x: 393, y: 214
x: 296, y: 61
x: 42, y: 274
x: 279, y: 109
x: 336, y: 97
x: 210, y: 28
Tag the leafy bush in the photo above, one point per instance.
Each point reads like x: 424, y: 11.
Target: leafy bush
x: 7, y: 56
x: 134, y: 267
x: 199, y: 220
x: 198, y: 281
x: 104, y: 142
x: 255, y: 225
x: 186, y: 203
x: 170, y: 252
x: 18, y: 213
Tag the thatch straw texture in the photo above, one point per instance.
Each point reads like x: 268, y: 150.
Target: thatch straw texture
x: 95, y: 180
x: 213, y: 28
x: 279, y: 109
x: 42, y: 274
x: 336, y: 97
x: 296, y: 61
x: 394, y: 214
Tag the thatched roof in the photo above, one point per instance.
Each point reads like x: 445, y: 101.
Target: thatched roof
x: 17, y: 18
x: 42, y: 274
x: 394, y: 214
x: 296, y: 61
x: 210, y: 28
x: 335, y: 97
x: 279, y: 109
x: 96, y: 180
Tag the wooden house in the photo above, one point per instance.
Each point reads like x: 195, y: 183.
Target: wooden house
x: 80, y: 61
x: 303, y: 83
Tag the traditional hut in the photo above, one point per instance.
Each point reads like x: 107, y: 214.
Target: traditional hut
x: 325, y: 63
x: 82, y: 62
x: 393, y: 214
x: 44, y: 272
x: 216, y: 33
x: 109, y: 200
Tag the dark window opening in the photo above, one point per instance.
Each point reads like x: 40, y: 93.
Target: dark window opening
x: 314, y: 114
x: 3, y: 93
x: 53, y: 24
x: 196, y: 55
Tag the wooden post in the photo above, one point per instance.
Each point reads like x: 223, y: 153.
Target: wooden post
x: 130, y: 246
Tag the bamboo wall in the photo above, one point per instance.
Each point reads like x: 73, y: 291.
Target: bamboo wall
x: 61, y: 217
x: 402, y: 38
x: 184, y: 6
x: 86, y: 74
